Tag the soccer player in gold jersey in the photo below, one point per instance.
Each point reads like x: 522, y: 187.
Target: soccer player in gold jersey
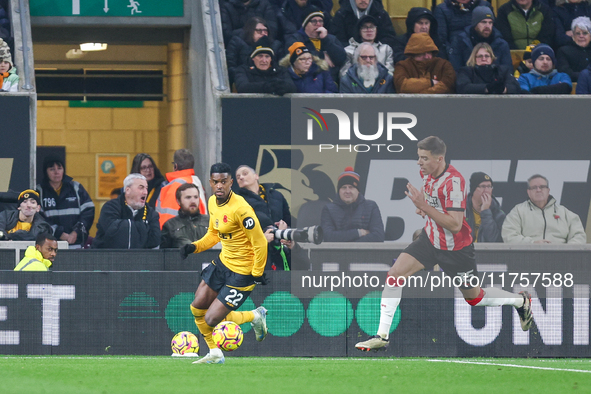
x: 231, y: 277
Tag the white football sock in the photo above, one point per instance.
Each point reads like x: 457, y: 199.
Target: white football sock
x: 494, y: 296
x: 390, y: 300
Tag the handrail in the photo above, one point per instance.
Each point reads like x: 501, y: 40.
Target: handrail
x: 25, y: 48
x: 217, y: 51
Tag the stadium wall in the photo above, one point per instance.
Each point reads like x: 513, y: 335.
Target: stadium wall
x: 15, y: 157
x: 126, y: 307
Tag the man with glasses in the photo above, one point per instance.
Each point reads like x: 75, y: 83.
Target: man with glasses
x: 481, y: 30
x: 367, y: 75
x: 344, y: 23
x: 541, y: 219
x: 319, y: 42
x: 483, y: 212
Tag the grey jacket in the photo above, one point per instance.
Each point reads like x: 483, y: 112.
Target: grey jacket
x: 183, y: 229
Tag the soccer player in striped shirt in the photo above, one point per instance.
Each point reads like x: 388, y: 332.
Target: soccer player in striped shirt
x: 445, y: 240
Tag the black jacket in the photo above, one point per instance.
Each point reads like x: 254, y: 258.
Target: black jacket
x: 491, y: 221
x: 275, y: 80
x: 474, y: 80
x: 340, y: 221
x: 117, y: 228
x: 235, y: 14
x: 572, y: 59
x: 183, y: 229
x: 344, y: 23
x: 9, y: 219
x: 413, y: 16
x: 329, y: 44
x: 290, y: 16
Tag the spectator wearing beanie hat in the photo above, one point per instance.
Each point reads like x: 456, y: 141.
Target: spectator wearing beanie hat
x: 261, y: 74
x: 453, y: 16
x: 314, y: 35
x: 308, y: 72
x: 525, y: 65
x: 65, y: 202
x: 25, y: 222
x: 544, y: 78
x: 483, y: 211
x: 350, y: 217
x: 8, y: 77
x: 481, y: 30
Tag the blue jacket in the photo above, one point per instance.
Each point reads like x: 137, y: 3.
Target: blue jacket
x: 462, y: 45
x: 491, y: 221
x: 351, y: 83
x: 316, y: 80
x: 451, y: 20
x: 340, y: 221
x: 329, y: 44
x: 552, y: 83
x: 72, y: 209
x: 584, y: 82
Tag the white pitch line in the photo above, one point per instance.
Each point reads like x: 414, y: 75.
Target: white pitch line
x: 510, y: 365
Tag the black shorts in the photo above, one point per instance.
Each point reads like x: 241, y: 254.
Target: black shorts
x: 453, y: 262
x: 232, y: 288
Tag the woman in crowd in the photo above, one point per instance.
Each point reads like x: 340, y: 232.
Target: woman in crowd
x: 309, y: 73
x: 145, y: 165
x: 574, y: 57
x: 481, y: 76
x: 241, y: 46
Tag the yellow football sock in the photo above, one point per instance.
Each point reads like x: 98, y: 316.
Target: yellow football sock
x: 204, y: 328
x: 240, y: 317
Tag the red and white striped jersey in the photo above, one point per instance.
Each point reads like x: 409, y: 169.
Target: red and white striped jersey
x: 446, y: 193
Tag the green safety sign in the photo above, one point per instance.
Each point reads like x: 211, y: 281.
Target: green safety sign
x: 135, y: 8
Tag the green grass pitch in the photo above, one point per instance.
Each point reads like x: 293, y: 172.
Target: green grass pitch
x: 145, y: 375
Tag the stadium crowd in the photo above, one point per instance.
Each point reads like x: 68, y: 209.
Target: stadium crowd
x: 543, y: 44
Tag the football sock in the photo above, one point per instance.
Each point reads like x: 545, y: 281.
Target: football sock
x: 390, y: 299
x: 493, y: 296
x: 204, y: 328
x: 240, y: 317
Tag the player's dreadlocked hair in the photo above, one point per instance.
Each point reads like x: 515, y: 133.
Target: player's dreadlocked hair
x: 221, y: 168
x: 433, y: 144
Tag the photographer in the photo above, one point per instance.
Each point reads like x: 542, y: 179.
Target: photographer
x: 271, y: 209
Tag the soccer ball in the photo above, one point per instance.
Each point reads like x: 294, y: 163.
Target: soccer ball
x: 227, y: 336
x: 184, y: 342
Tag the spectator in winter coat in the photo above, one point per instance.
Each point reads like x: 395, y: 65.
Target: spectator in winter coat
x: 367, y: 75
x: 481, y: 76
x: 344, y: 23
x: 544, y: 78
x: 564, y: 14
x: 25, y: 222
x: 127, y: 222
x: 453, y: 16
x: 574, y: 57
x: 235, y: 13
x: 418, y: 20
x: 292, y: 13
x: 144, y: 164
x: 316, y: 38
x: 481, y: 31
x: 584, y: 82
x: 541, y: 220
x: 367, y: 30
x: 262, y: 74
x: 483, y: 212
x: 422, y: 72
x: 525, y: 22
x: 241, y: 46
x: 8, y: 77
x: 350, y: 217
x: 526, y: 64
x: 309, y: 73
x: 66, y: 204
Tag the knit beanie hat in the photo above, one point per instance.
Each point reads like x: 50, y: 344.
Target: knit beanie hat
x: 263, y: 45
x: 481, y: 12
x: 29, y: 193
x: 295, y: 50
x: 477, y: 178
x: 310, y: 13
x: 5, y: 55
x: 349, y: 177
x: 543, y: 49
x: 527, y: 53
